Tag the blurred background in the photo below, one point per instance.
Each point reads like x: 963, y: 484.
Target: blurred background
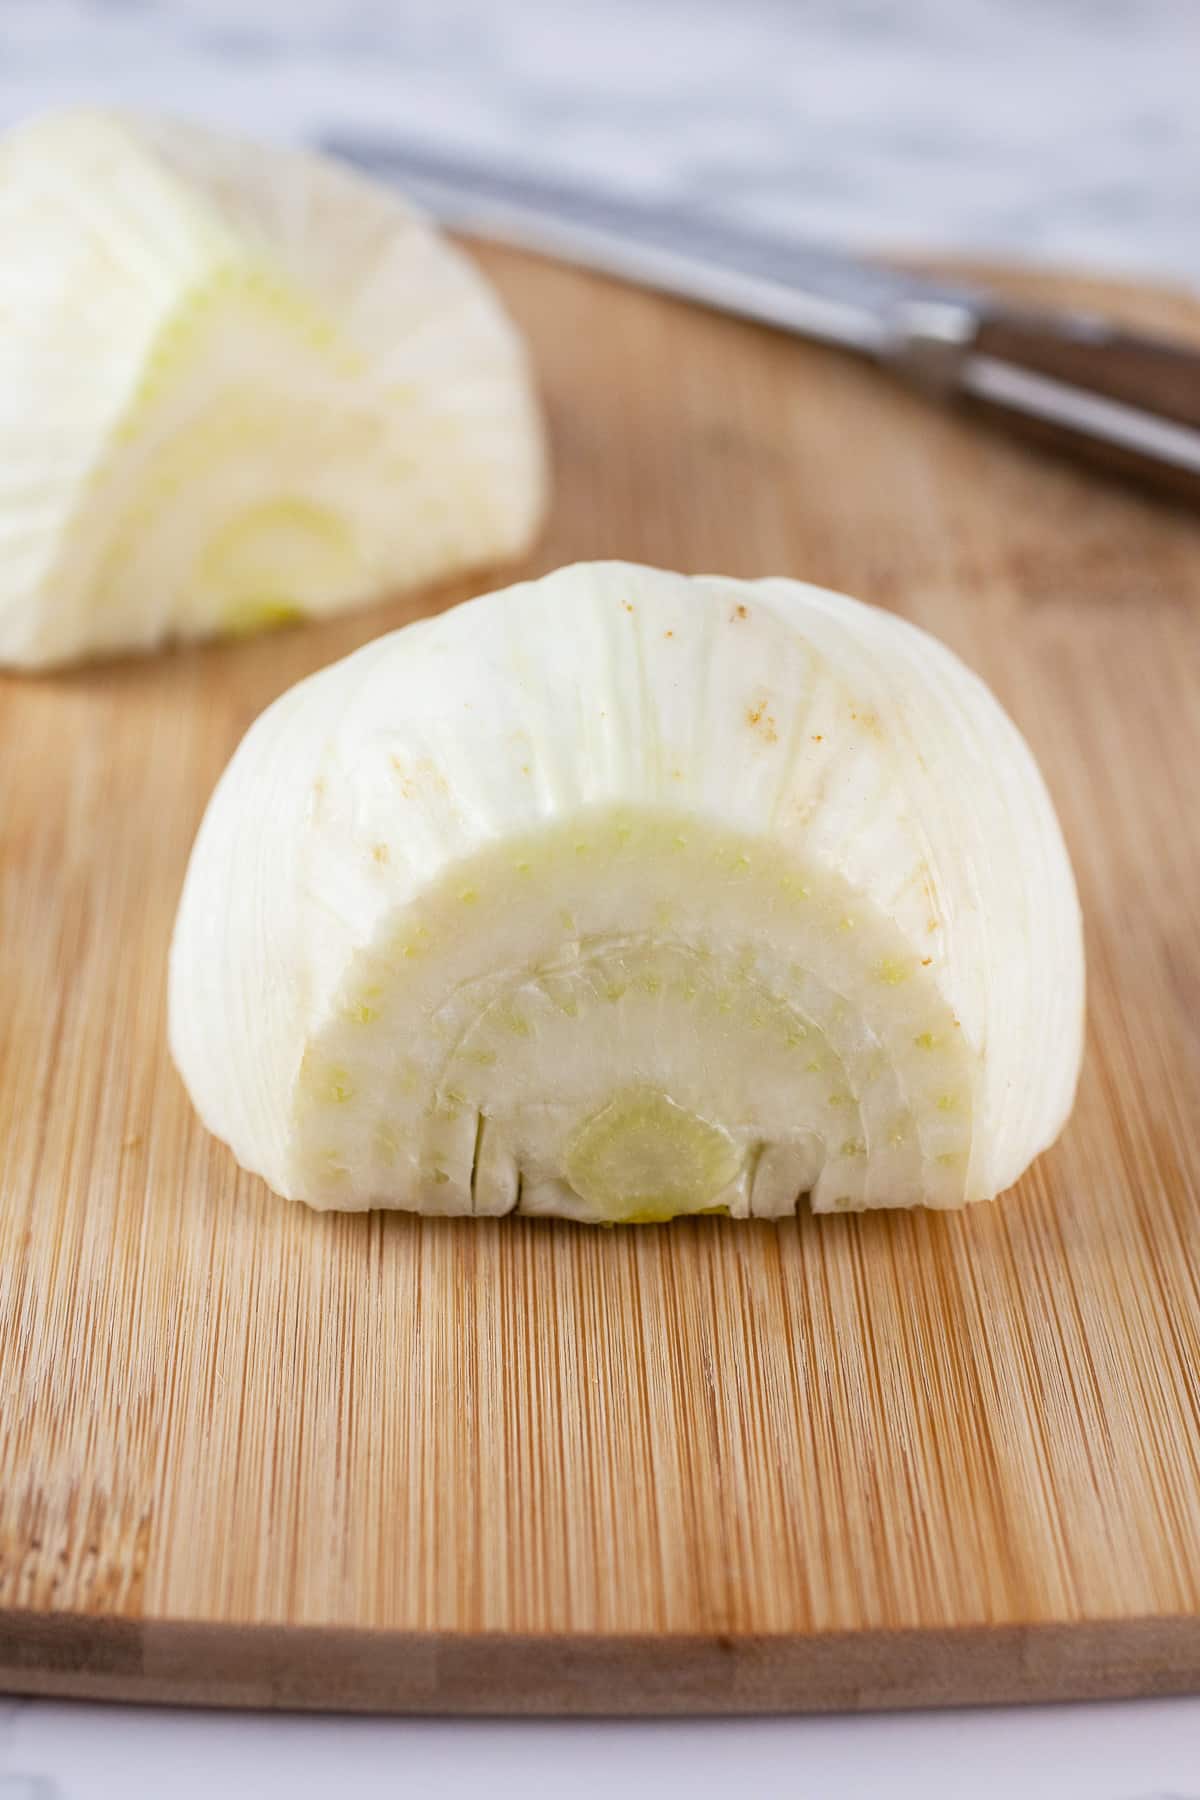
x: 1055, y: 131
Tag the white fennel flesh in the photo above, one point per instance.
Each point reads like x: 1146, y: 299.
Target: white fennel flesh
x: 621, y: 895
x: 238, y: 385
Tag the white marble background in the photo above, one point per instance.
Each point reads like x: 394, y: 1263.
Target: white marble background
x: 1065, y: 131
x: 1149, y: 1750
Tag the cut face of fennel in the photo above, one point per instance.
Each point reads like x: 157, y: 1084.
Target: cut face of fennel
x: 238, y: 385
x: 620, y: 896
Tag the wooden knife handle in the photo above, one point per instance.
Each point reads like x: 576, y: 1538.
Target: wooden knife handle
x: 1127, y: 403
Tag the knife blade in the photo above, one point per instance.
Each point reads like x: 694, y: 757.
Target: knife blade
x: 1128, y: 402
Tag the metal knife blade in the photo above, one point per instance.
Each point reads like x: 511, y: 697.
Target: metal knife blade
x: 799, y: 287
x: 1127, y: 402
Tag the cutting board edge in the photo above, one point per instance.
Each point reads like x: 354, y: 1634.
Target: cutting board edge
x: 351, y: 1669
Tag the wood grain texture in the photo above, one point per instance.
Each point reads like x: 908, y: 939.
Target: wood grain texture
x: 256, y: 1455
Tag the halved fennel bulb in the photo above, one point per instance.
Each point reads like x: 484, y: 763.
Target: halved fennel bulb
x: 621, y: 895
x: 238, y: 384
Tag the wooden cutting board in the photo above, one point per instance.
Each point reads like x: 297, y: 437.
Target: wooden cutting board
x: 255, y: 1455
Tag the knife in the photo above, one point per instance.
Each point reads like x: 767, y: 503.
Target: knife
x: 1125, y: 401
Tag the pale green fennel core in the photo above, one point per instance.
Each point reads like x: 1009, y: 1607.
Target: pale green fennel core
x: 641, y: 1159
x: 268, y: 554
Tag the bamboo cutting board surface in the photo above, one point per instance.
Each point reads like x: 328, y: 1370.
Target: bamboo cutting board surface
x: 255, y: 1455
